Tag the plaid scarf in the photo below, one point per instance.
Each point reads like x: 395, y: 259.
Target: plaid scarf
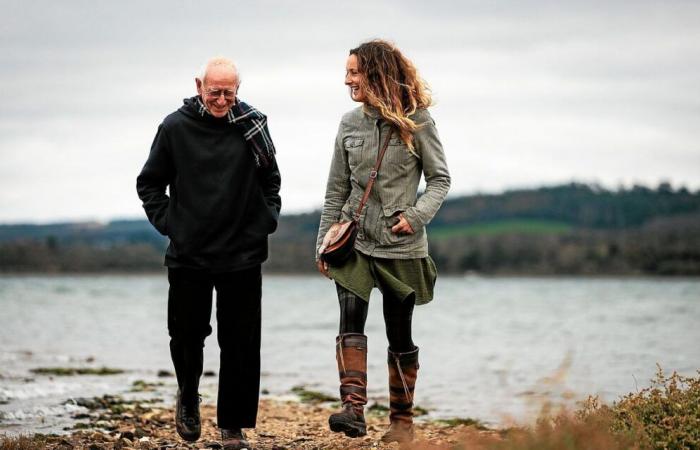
x: 255, y: 131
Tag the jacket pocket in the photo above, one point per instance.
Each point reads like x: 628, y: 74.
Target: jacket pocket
x: 399, y: 156
x: 390, y: 218
x: 353, y: 146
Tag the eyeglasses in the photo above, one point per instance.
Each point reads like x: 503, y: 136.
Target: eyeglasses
x: 216, y: 93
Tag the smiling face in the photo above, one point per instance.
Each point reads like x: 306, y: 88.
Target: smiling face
x: 353, y: 78
x: 218, y: 89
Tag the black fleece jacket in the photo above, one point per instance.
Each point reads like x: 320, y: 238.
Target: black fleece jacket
x: 221, y: 207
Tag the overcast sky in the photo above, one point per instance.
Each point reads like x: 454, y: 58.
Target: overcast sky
x: 528, y: 92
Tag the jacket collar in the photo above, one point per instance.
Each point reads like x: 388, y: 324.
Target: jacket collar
x: 371, y: 111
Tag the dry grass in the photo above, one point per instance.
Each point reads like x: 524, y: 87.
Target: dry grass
x: 22, y: 443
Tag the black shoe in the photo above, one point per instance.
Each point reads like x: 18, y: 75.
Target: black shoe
x: 234, y: 440
x: 348, y: 421
x: 187, y: 421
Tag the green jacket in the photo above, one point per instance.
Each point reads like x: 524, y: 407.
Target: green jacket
x: 394, y: 192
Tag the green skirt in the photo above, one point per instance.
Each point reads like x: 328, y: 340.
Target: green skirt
x: 396, y: 277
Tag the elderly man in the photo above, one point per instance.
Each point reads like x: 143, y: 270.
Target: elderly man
x: 216, y: 156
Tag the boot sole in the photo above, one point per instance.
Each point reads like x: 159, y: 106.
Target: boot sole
x: 351, y: 429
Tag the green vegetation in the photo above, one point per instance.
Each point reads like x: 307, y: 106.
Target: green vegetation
x: 309, y: 396
x: 512, y: 226
x: 70, y: 371
x: 665, y: 415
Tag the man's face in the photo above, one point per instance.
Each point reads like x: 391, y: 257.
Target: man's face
x: 218, y: 90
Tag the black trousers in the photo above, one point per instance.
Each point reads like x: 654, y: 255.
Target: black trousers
x: 238, y: 298
x: 398, y: 315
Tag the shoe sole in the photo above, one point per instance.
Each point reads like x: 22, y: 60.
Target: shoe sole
x: 351, y: 429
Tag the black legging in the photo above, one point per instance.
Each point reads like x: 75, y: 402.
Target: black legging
x: 397, y: 318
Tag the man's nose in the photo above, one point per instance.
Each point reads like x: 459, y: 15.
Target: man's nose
x: 347, y: 79
x: 221, y: 100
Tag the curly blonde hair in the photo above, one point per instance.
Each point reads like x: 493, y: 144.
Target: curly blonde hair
x: 392, y: 85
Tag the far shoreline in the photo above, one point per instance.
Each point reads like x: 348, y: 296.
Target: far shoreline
x: 466, y: 276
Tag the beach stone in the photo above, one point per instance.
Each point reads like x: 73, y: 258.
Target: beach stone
x: 128, y: 435
x: 67, y: 443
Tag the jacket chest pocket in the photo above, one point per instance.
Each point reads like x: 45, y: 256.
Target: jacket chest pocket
x: 353, y: 146
x: 398, y: 154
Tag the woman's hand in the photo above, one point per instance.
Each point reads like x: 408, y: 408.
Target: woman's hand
x: 402, y: 226
x: 323, y: 268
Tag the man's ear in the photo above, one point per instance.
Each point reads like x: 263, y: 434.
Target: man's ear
x: 199, y: 85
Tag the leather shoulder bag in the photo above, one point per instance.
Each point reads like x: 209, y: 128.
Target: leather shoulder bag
x: 341, y: 236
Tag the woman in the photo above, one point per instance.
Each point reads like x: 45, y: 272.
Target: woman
x: 391, y: 250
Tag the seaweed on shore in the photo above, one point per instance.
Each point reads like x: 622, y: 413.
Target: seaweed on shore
x: 308, y: 396
x: 115, y: 404
x: 465, y: 421
x: 71, y: 371
x: 380, y: 409
x: 144, y: 386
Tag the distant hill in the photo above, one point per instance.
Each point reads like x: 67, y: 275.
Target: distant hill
x: 573, y: 228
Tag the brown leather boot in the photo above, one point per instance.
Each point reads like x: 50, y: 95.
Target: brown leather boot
x: 403, y: 371
x: 351, y: 354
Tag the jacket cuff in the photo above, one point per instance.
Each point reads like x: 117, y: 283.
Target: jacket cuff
x: 413, y: 218
x: 162, y: 225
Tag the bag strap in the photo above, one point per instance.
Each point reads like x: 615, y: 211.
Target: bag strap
x: 373, y: 176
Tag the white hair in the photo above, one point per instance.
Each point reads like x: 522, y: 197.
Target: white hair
x: 219, y: 61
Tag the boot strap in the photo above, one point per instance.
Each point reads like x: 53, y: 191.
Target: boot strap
x: 353, y: 374
x: 403, y: 379
x: 350, y: 389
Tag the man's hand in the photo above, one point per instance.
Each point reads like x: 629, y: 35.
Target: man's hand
x: 402, y: 226
x: 323, y: 268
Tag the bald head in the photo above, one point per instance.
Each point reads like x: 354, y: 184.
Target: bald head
x: 219, y: 66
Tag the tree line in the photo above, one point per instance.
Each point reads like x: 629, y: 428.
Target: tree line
x: 567, y: 229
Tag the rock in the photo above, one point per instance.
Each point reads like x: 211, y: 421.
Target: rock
x: 128, y: 435
x: 267, y: 435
